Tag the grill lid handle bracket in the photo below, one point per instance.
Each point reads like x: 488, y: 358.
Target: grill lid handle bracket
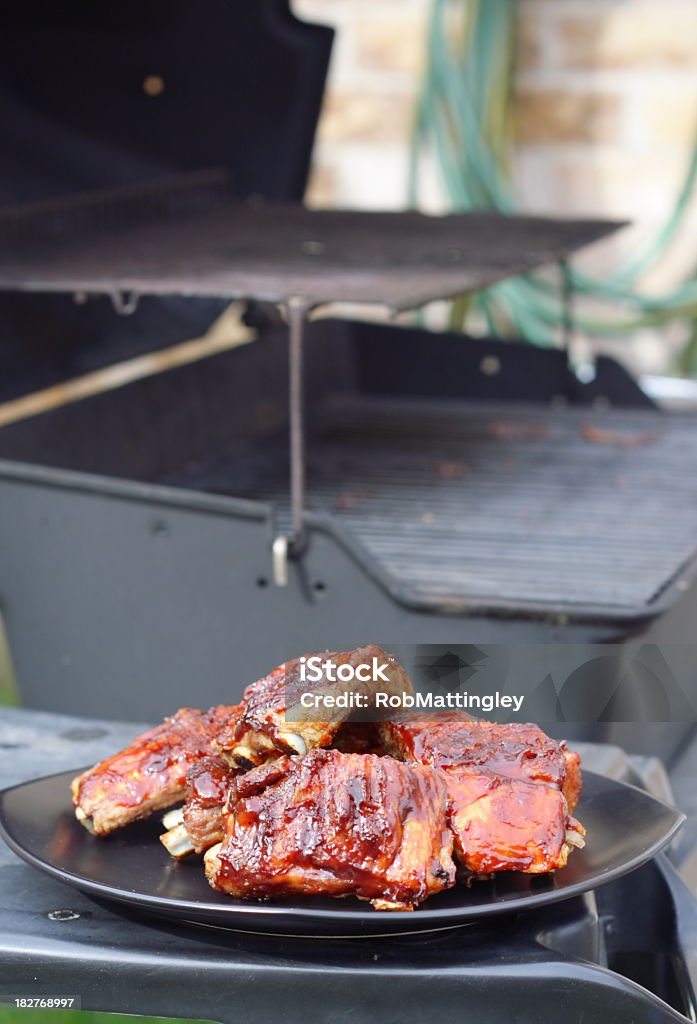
x: 279, y: 551
x: 293, y: 545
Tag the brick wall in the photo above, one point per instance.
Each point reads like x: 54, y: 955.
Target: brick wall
x: 360, y: 156
x: 607, y: 110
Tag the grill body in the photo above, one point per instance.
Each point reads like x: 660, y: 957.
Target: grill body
x: 136, y: 525
x: 452, y: 494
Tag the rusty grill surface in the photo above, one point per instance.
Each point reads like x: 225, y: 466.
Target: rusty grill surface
x: 188, y: 237
x: 480, y: 503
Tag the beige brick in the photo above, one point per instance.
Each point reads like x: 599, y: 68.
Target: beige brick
x: 547, y: 116
x: 530, y: 53
x: 619, y: 183
x: 392, y: 43
x: 631, y: 35
x: 365, y: 116
x: 669, y: 115
x: 372, y: 176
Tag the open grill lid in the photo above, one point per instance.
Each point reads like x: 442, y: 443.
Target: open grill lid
x: 189, y: 237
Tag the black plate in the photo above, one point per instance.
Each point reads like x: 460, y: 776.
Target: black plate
x: 626, y: 828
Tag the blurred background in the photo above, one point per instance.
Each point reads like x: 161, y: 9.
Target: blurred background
x: 8, y: 690
x: 562, y: 107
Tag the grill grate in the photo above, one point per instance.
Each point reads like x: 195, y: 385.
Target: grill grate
x: 187, y: 237
x: 483, y: 503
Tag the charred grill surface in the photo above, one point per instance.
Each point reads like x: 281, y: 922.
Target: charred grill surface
x: 185, y: 236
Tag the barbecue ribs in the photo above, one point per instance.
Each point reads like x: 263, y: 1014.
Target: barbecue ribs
x: 199, y: 824
x: 272, y: 720
x: 336, y: 824
x: 284, y: 800
x: 504, y: 824
x: 508, y: 787
x: 150, y: 774
x: 358, y: 738
x: 516, y: 751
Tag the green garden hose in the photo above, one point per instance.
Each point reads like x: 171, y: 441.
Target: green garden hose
x: 465, y: 117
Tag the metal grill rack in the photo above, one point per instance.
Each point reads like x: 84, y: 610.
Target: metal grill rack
x: 484, y: 504
x: 186, y: 236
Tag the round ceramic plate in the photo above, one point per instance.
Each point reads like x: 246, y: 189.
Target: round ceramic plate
x: 625, y: 828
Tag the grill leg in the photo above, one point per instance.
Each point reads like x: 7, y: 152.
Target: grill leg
x: 297, y: 320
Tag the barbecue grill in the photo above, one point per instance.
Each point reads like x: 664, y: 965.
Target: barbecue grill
x: 435, y: 485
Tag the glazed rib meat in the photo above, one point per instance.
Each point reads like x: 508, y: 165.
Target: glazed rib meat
x: 296, y: 792
x: 150, y: 774
x: 336, y: 824
x: 515, y: 750
x: 207, y: 787
x: 503, y: 824
x: 273, y: 721
x: 507, y: 786
x: 199, y: 824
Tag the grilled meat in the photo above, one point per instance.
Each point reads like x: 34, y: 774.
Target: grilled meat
x: 286, y: 800
x: 150, y: 774
x: 503, y: 824
x: 336, y: 824
x: 207, y: 787
x: 200, y: 823
x: 358, y: 738
x: 272, y: 720
x: 572, y: 785
x: 508, y: 787
x: 516, y: 751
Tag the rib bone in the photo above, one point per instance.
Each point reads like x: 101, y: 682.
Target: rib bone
x: 173, y: 818
x: 177, y: 842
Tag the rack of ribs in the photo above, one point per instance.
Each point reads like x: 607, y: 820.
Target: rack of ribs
x: 508, y: 787
x: 272, y: 720
x: 284, y: 800
x: 199, y: 824
x: 150, y: 774
x: 336, y: 824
